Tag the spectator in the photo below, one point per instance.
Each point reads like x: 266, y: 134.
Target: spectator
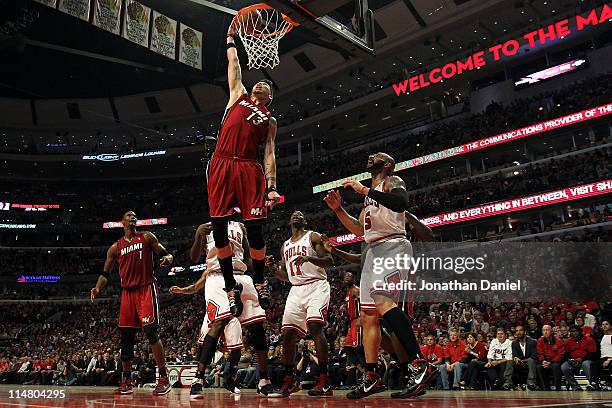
x: 476, y: 358
x: 432, y: 351
x: 454, y: 353
x: 525, y: 356
x: 580, y: 352
x: 500, y: 353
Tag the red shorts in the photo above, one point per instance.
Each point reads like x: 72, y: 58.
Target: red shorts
x: 139, y: 307
x: 352, y: 337
x: 236, y: 183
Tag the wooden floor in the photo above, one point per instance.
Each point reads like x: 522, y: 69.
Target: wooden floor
x: 99, y: 397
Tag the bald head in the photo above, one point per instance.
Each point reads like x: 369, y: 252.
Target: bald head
x: 379, y: 162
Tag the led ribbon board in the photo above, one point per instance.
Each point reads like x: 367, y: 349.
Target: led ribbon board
x: 505, y: 137
x: 502, y: 207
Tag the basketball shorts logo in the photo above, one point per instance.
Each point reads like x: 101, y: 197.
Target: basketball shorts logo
x: 257, y: 211
x: 211, y: 311
x: 146, y: 319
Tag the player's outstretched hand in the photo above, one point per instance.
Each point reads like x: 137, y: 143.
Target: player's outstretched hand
x: 327, y: 245
x: 271, y: 264
x: 94, y: 293
x: 273, y: 198
x: 204, y: 229
x: 166, y: 260
x: 175, y: 290
x: 356, y: 185
x: 333, y: 200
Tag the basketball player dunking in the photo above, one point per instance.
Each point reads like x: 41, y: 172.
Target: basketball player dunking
x: 139, y: 307
x: 218, y: 318
x: 303, y: 263
x: 236, y: 179
x: 382, y: 224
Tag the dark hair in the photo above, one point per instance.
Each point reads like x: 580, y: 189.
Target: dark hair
x: 575, y: 327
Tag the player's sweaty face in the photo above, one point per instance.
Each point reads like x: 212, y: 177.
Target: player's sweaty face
x: 129, y: 218
x: 297, y: 218
x: 261, y: 88
x: 374, y: 161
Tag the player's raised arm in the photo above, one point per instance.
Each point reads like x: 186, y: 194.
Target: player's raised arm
x: 350, y: 258
x: 334, y: 202
x: 269, y: 163
x: 166, y: 257
x: 109, y: 263
x: 394, y: 197
x: 323, y: 258
x: 199, y: 241
x: 421, y: 231
x: 234, y: 72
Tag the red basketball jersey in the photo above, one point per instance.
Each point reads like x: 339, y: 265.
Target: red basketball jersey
x: 352, y: 305
x: 135, y: 259
x: 244, y: 129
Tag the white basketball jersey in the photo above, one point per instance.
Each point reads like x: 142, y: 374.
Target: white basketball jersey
x: 380, y: 222
x: 307, y: 272
x: 235, y: 235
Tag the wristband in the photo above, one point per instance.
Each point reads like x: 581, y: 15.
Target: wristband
x: 105, y: 274
x: 270, y: 189
x: 230, y: 45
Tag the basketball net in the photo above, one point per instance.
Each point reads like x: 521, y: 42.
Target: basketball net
x: 260, y: 28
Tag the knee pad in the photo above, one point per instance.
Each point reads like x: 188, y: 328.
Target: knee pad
x: 254, y: 230
x: 150, y: 331
x: 258, y: 337
x: 220, y: 232
x: 128, y: 339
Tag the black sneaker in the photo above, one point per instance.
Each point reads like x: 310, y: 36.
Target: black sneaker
x: 421, y: 375
x: 266, y: 389
x: 593, y: 386
x: 196, y: 391
x: 235, y: 302
x: 263, y: 293
x: 229, y: 384
x: 322, y: 388
x: 289, y: 387
x: 369, y: 384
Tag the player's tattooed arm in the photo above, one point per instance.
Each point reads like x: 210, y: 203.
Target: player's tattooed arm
x: 269, y: 162
x: 334, y: 202
x: 109, y: 263
x: 199, y: 241
x: 234, y: 71
x: 323, y: 258
x: 421, y: 231
x: 166, y: 257
x: 394, y: 195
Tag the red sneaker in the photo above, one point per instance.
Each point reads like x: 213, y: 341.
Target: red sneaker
x: 125, y: 387
x: 322, y: 388
x: 163, y: 386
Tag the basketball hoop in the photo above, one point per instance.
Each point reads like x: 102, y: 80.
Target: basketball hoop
x: 260, y: 28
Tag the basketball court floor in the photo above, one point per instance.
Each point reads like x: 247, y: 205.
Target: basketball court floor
x: 104, y: 397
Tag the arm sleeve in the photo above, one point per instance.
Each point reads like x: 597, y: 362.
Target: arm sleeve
x: 396, y: 200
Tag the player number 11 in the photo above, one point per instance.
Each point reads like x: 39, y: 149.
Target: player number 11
x: 295, y: 272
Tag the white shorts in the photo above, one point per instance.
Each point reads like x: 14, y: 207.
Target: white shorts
x: 217, y: 308
x: 306, y: 303
x: 374, y: 276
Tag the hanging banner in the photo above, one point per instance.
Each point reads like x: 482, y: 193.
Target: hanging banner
x: 50, y: 3
x: 190, y: 51
x: 106, y: 15
x: 136, y: 23
x: 76, y: 8
x: 163, y: 37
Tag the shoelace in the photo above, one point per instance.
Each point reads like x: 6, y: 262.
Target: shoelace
x: 263, y: 291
